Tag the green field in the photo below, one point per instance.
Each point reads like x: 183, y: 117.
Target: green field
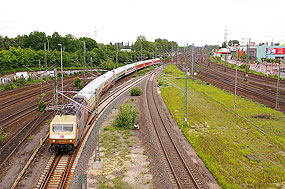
x: 234, y: 149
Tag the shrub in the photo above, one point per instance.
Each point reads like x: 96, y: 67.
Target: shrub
x: 42, y: 106
x: 77, y: 81
x: 2, y: 136
x: 8, y: 86
x: 126, y: 117
x: 136, y: 91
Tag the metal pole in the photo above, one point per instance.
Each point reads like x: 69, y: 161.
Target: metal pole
x: 114, y: 89
x: 226, y: 57
x: 97, y: 144
x: 55, y: 87
x: 236, y: 83
x: 172, y: 54
x: 40, y: 75
x: 61, y: 70
x: 48, y: 44
x: 45, y: 58
x: 141, y: 50
x: 278, y: 86
x: 185, y: 89
x: 84, y: 59
x: 91, y: 61
x: 192, y: 67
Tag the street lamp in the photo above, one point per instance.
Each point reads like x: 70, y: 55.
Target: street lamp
x: 61, y: 70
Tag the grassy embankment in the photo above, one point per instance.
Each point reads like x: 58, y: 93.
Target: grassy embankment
x: 236, y: 153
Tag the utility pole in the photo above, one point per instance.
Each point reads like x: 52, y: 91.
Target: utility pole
x: 192, y: 68
x: 61, y: 71
x: 152, y: 57
x: 97, y: 160
x: 45, y: 57
x: 226, y: 41
x: 141, y: 50
x: 114, y: 88
x: 48, y: 44
x: 185, y: 88
x: 236, y: 83
x: 91, y: 61
x: 278, y: 86
x: 172, y: 54
x: 55, y: 86
x: 84, y: 58
x: 40, y: 75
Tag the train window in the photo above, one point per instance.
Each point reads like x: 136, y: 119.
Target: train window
x: 62, y: 127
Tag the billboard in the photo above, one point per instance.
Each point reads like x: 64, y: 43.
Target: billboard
x: 275, y: 51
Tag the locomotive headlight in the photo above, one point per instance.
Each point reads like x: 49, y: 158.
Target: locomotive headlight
x: 53, y: 140
x: 70, y: 140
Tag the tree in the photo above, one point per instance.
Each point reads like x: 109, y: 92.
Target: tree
x: 231, y: 43
x: 35, y: 40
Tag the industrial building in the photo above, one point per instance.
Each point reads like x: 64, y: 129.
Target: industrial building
x: 273, y: 52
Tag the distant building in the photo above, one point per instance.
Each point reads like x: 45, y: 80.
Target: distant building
x: 269, y: 52
x: 222, y: 51
x: 24, y: 75
x: 127, y: 50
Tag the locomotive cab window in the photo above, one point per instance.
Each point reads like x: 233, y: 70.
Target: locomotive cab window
x: 62, y: 127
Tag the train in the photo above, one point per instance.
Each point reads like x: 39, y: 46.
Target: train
x: 69, y: 124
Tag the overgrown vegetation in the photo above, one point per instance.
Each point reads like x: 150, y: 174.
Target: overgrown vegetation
x: 42, y: 103
x: 77, y: 83
x: 237, y: 154
x: 126, y: 117
x: 2, y: 136
x: 136, y: 91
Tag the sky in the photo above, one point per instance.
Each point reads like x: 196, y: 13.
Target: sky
x: 196, y: 22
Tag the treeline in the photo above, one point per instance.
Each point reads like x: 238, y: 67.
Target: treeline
x: 28, y: 51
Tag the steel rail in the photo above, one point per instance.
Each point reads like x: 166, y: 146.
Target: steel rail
x: 164, y: 148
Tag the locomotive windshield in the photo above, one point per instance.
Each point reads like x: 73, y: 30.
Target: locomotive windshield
x: 62, y: 127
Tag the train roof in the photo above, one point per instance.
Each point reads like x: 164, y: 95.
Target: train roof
x: 59, y: 119
x: 90, y: 89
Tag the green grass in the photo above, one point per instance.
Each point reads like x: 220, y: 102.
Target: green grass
x: 224, y: 141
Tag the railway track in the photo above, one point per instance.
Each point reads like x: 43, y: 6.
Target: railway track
x: 255, y: 87
x: 60, y: 168
x: 14, y: 142
x: 20, y: 134
x: 258, y: 92
x: 183, y: 176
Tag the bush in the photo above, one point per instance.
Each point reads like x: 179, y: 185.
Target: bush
x: 77, y: 81
x: 2, y: 136
x: 8, y: 86
x: 127, y: 116
x: 242, y: 66
x: 136, y: 91
x: 42, y: 106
